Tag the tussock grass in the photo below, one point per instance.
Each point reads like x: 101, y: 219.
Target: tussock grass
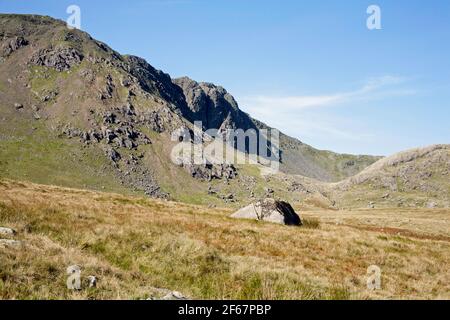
x: 311, y: 223
x: 134, y: 245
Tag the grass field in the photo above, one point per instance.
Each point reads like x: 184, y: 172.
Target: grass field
x: 136, y: 245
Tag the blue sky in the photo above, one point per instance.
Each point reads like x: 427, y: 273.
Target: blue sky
x: 309, y: 68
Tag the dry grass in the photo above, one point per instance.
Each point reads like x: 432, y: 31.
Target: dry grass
x: 134, y: 245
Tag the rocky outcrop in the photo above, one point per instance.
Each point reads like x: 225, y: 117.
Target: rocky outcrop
x: 213, y: 105
x: 117, y: 131
x: 270, y: 210
x: 59, y: 58
x: 152, y: 80
x: 11, y: 45
x: 218, y: 110
x: 209, y: 172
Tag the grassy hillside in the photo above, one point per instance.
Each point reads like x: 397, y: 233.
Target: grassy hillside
x: 134, y: 246
x: 28, y: 151
x: 416, y: 178
x: 301, y: 159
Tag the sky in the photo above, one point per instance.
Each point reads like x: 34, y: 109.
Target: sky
x: 310, y: 68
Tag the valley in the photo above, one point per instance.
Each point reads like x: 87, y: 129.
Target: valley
x: 137, y: 246
x: 88, y: 180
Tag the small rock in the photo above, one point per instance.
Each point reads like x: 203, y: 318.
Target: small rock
x: 113, y: 155
x: 211, y: 190
x: 18, y: 106
x: 85, y: 137
x: 126, y: 82
x: 129, y: 144
x: 229, y: 197
x: 431, y: 205
x: 269, y: 191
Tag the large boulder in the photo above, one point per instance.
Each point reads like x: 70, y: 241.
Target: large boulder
x: 270, y: 210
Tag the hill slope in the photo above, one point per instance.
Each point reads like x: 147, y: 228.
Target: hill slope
x: 416, y: 177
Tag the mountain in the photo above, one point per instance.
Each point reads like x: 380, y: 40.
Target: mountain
x: 75, y: 112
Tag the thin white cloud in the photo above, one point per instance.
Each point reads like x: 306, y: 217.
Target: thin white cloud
x: 292, y: 102
x: 371, y: 90
x: 376, y: 83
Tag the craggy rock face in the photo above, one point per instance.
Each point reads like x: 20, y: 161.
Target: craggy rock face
x: 62, y: 59
x: 151, y: 80
x: 213, y: 105
x: 209, y: 172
